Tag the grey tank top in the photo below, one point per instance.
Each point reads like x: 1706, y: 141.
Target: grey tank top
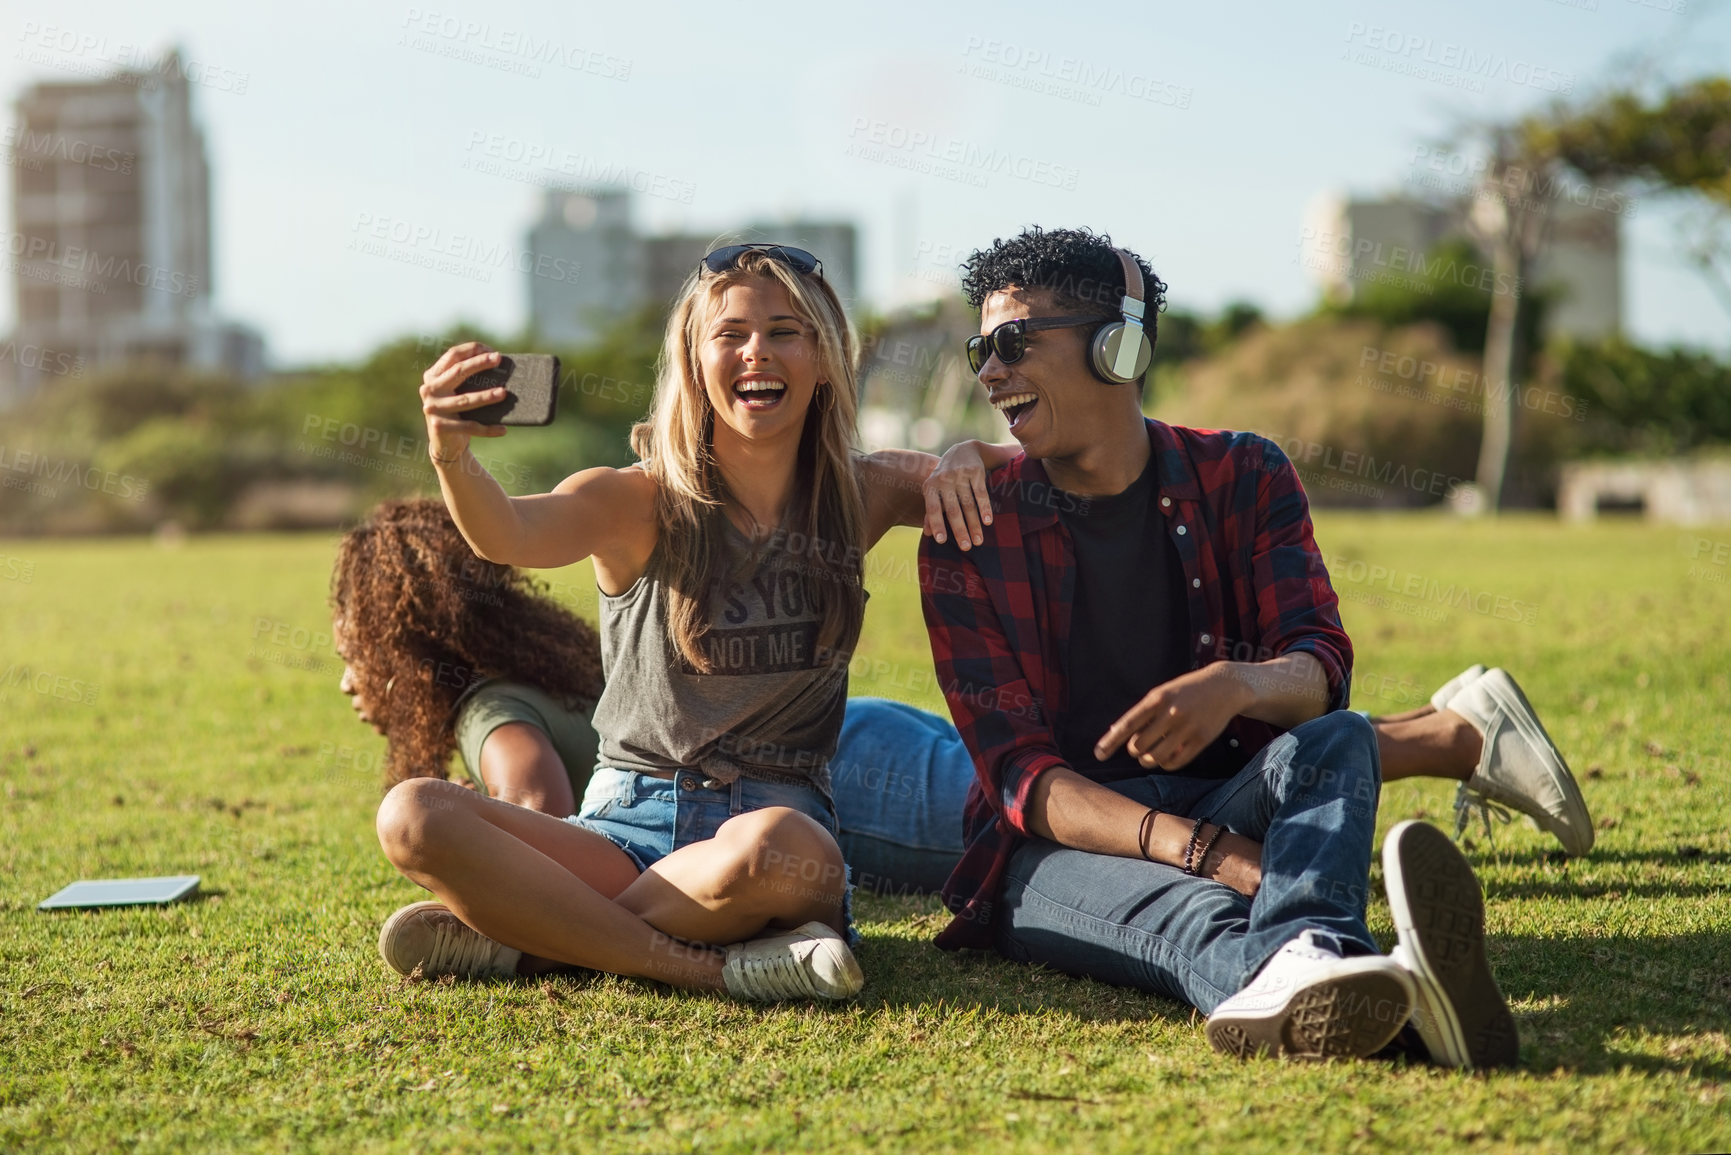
x: 772, y: 709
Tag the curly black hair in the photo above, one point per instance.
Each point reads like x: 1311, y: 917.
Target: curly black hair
x: 1076, y: 266
x: 424, y: 619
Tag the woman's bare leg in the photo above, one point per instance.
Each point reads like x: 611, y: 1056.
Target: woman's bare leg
x: 532, y: 882
x: 548, y: 888
x: 770, y: 867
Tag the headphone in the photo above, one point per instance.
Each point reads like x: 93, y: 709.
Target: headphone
x: 1120, y: 351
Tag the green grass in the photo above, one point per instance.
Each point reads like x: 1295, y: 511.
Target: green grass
x: 261, y: 1016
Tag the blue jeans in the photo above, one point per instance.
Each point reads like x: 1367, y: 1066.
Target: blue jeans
x: 1309, y: 797
x: 900, y: 777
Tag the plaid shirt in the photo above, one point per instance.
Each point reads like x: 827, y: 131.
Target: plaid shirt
x: 999, y: 620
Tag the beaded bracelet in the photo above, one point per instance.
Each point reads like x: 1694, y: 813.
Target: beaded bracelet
x: 1190, y: 847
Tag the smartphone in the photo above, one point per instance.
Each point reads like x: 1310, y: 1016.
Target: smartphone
x: 121, y: 892
x: 533, y: 381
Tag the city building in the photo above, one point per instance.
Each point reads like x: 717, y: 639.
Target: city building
x: 621, y: 270
x: 592, y: 232
x: 110, y: 248
x: 1348, y: 245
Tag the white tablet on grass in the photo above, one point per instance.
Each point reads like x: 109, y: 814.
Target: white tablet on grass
x: 122, y: 892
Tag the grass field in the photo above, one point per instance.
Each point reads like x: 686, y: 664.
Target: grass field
x: 170, y: 710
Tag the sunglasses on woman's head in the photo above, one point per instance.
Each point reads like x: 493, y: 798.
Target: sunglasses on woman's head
x: 1010, y: 340
x: 798, y: 260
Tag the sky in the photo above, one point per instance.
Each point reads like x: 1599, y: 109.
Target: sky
x: 1196, y: 134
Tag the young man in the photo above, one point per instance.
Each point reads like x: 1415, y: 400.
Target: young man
x: 1145, y: 658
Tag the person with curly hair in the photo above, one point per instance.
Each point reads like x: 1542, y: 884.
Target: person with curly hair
x: 729, y: 562
x: 441, y: 647
x: 1146, y: 661
x: 444, y: 652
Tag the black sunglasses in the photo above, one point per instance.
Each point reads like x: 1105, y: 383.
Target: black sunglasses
x: 798, y: 260
x: 1010, y: 340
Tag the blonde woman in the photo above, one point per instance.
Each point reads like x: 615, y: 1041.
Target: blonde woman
x: 729, y: 564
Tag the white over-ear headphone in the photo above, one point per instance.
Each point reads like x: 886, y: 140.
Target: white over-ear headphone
x: 1120, y: 351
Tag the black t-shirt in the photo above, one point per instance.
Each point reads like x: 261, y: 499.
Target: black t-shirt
x: 1129, y: 625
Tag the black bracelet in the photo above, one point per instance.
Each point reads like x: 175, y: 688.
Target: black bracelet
x: 1142, y: 834
x: 1190, y: 847
x: 1207, y: 848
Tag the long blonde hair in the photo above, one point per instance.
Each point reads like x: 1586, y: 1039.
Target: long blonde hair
x: 677, y: 446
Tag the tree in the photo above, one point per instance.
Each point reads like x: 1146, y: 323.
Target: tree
x: 1677, y: 142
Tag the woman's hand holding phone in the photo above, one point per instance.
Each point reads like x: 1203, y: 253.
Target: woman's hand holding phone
x: 448, y: 431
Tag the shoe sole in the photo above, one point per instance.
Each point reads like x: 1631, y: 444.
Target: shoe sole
x: 1439, y: 914
x: 1343, y: 1018
x: 396, y: 920
x: 1506, y: 692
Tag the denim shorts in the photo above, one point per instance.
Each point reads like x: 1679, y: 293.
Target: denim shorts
x: 649, y: 817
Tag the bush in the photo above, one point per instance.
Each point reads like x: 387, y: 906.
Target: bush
x: 1372, y: 415
x: 1645, y: 401
x: 185, y: 463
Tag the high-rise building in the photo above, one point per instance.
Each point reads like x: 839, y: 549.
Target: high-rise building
x: 110, y: 251
x: 588, y: 232
x: 670, y: 258
x: 619, y: 270
x: 835, y: 243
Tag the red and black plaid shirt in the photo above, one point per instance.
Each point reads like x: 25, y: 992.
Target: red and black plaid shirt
x: 999, y: 619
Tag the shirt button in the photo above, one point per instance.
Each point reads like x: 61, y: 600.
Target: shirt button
x: 1196, y: 583
x: 1166, y: 503
x: 1207, y: 639
x: 1232, y: 742
x: 1182, y: 531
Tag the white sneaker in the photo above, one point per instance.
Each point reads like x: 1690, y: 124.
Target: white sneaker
x: 1440, y: 699
x: 811, y: 962
x: 427, y: 937
x: 1520, y: 766
x: 1308, y: 1002
x: 1439, y: 914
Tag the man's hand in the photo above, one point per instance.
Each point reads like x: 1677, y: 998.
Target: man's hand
x: 1177, y: 720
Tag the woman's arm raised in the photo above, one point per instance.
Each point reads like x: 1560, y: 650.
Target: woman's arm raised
x: 601, y: 511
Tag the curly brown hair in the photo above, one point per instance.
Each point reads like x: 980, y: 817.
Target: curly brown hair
x: 424, y: 619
